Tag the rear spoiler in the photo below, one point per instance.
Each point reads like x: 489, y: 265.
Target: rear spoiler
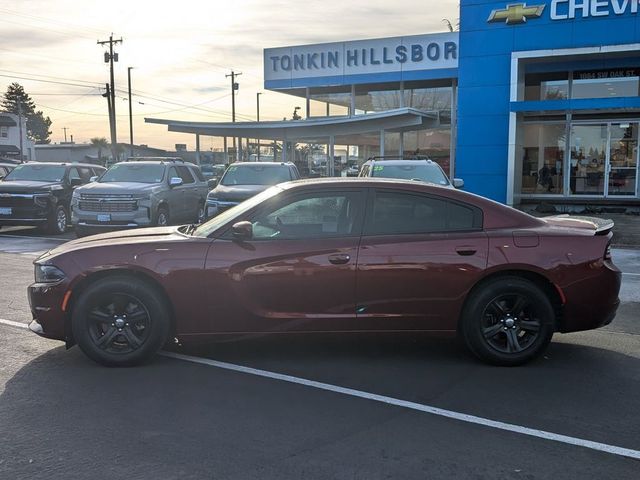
x: 599, y: 226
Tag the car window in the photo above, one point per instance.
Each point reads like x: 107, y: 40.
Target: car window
x: 85, y: 173
x: 394, y: 213
x: 185, y: 174
x: 74, y: 174
x: 256, y: 175
x: 173, y: 173
x: 365, y: 171
x: 314, y: 215
x: 197, y: 172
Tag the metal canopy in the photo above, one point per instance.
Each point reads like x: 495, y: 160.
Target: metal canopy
x: 401, y: 119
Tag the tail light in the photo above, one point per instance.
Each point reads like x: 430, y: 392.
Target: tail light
x: 607, y: 252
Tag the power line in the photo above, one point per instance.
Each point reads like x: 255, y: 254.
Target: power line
x: 46, y: 20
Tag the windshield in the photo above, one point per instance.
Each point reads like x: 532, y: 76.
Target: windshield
x: 37, y: 173
x: 424, y: 172
x: 218, y: 221
x: 256, y: 175
x: 134, y: 172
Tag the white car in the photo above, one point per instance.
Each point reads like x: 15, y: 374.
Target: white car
x: 408, y: 169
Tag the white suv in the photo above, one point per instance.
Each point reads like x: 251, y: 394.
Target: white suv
x: 407, y: 169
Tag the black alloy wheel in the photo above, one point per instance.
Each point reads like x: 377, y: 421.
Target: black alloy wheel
x: 508, y: 321
x: 120, y: 321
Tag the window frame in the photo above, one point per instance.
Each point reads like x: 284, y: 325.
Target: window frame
x: 478, y: 214
x: 291, y: 197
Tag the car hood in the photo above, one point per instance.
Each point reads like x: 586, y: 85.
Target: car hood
x: 110, y: 188
x: 25, y: 186
x: 598, y: 226
x: 122, y: 237
x: 236, y: 193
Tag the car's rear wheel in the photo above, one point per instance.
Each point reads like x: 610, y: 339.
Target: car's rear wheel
x: 162, y: 217
x: 508, y: 321
x: 57, y: 221
x: 120, y: 321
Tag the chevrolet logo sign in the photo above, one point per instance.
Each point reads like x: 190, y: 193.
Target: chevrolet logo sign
x: 515, y: 13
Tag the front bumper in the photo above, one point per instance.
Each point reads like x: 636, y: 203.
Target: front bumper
x: 215, y: 207
x: 24, y: 210
x: 141, y: 217
x: 45, y: 301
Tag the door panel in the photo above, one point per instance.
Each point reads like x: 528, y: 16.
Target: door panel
x: 588, y: 159
x: 418, y: 257
x: 289, y: 285
x: 623, y: 159
x: 417, y: 281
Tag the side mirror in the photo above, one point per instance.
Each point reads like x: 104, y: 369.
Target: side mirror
x: 458, y: 183
x: 175, y: 181
x: 94, y: 178
x: 76, y: 182
x: 242, y: 230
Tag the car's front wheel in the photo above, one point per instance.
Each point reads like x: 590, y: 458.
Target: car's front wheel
x: 57, y: 221
x: 120, y: 321
x: 507, y: 321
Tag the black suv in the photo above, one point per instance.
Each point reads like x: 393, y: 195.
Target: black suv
x: 40, y: 193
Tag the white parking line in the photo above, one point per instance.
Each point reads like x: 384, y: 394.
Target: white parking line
x: 11, y: 323
x: 463, y: 417
x: 631, y: 274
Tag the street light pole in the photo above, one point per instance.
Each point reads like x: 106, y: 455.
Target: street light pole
x: 130, y: 112
x: 258, y: 118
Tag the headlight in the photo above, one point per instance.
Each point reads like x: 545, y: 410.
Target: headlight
x: 55, y: 188
x: 48, y: 274
x: 143, y: 197
x: 41, y: 199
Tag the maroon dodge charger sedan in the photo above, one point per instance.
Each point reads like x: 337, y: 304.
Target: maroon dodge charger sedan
x: 334, y: 255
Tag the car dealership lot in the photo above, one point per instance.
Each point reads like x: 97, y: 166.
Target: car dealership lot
x: 62, y: 415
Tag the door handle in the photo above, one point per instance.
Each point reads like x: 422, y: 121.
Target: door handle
x: 466, y: 251
x: 339, y: 258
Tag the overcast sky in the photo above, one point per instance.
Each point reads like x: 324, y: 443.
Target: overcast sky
x: 180, y: 52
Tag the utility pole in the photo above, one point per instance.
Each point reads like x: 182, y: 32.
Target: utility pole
x: 130, y: 112
x: 65, y: 133
x: 234, y: 86
x: 258, y: 118
x: 110, y: 57
x: 107, y: 95
x: 20, y: 127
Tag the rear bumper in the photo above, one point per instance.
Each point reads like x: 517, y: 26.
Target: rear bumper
x: 45, y: 302
x: 592, y: 302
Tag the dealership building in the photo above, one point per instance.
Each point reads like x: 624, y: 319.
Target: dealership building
x: 529, y: 102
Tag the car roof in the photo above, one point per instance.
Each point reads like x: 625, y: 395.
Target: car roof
x: 402, y: 162
x: 62, y: 164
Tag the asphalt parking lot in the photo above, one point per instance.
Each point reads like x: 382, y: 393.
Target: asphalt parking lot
x: 362, y: 407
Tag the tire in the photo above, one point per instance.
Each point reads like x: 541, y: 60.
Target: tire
x: 201, y: 214
x: 119, y: 321
x: 507, y: 321
x: 162, y: 217
x: 57, y: 222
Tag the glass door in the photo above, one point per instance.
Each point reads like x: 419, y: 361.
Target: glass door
x: 623, y: 159
x: 588, y: 161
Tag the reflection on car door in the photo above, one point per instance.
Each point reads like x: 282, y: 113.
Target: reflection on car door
x: 297, y: 273
x: 418, y: 257
x: 191, y: 196
x: 177, y: 198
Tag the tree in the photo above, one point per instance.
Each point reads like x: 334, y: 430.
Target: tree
x: 100, y: 143
x: 16, y: 99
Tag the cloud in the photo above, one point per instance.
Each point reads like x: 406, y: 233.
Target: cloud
x: 24, y: 38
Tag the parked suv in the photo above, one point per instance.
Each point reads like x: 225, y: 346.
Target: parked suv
x: 424, y: 170
x: 40, y: 193
x: 140, y: 193
x: 243, y: 180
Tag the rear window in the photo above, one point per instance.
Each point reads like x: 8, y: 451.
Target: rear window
x: 256, y: 175
x: 420, y: 171
x: 134, y: 172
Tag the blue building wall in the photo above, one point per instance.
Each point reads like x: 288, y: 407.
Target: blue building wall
x: 484, y: 76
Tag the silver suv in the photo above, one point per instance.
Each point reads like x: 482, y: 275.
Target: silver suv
x: 140, y: 193
x: 423, y: 170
